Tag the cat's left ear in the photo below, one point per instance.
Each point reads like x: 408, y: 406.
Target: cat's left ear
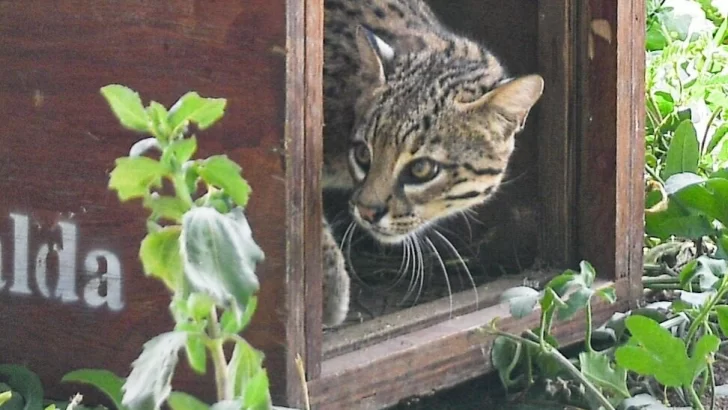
x: 375, y: 56
x: 515, y: 98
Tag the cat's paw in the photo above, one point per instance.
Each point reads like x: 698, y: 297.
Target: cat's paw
x: 335, y: 281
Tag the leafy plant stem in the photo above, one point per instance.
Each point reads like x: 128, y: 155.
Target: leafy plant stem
x: 704, y: 312
x: 180, y: 187
x: 224, y: 387
x: 566, y: 363
x: 694, y: 398
x: 654, y: 175
x: 588, y: 336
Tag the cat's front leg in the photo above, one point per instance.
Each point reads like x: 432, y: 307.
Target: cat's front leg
x: 335, y: 280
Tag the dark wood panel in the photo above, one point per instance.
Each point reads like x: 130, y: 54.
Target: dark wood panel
x: 58, y: 141
x: 610, y: 188
x: 556, y: 136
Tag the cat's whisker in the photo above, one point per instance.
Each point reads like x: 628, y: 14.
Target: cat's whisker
x: 404, y: 266
x: 462, y: 263
x: 421, y: 270
x: 444, y: 272
x: 467, y: 223
x: 414, y: 255
x: 347, y: 240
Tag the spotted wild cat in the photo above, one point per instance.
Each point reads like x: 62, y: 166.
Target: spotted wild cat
x: 419, y: 123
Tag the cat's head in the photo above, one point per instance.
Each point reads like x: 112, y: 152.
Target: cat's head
x: 433, y: 135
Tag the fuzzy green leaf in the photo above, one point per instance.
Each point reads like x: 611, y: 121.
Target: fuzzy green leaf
x: 234, y: 322
x: 103, y: 380
x: 133, y: 177
x: 149, y: 382
x: 127, y: 106
x: 244, y: 364
x: 221, y: 172
x: 166, y: 207
x: 193, y: 108
x: 521, y: 300
x: 161, y: 257
x: 722, y: 312
x: 220, y: 255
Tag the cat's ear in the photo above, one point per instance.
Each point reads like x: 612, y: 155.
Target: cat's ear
x: 375, y: 56
x: 515, y: 97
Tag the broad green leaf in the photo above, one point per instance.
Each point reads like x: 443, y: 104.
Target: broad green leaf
x: 696, y: 299
x: 665, y: 224
x: 104, y: 380
x: 25, y: 383
x: 149, y: 382
x: 598, y: 369
x: 653, y: 351
x: 607, y: 294
x: 133, y: 177
x: 158, y: 118
x: 193, y: 108
x: 521, y: 300
x: 681, y: 180
x: 722, y: 312
x: 161, y: 257
x: 183, y: 401
x: 223, y: 173
x: 127, y: 106
x: 220, y: 255
x: 684, y: 151
x: 244, y: 364
x: 576, y: 302
x: 166, y: 207
x: 196, y: 353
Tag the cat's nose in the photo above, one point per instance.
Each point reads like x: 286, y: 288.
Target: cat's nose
x: 371, y: 214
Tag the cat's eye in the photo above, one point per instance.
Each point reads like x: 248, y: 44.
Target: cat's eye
x: 361, y: 155
x: 421, y: 170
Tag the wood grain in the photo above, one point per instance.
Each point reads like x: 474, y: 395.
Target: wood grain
x: 58, y: 141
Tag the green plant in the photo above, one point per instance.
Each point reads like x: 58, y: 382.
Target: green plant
x: 200, y: 246
x: 536, y: 352
x: 21, y: 389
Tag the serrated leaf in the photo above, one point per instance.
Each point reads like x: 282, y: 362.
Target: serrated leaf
x: 158, y: 117
x: 196, y: 353
x: 193, y: 108
x: 149, y: 383
x: 183, y: 401
x: 220, y: 255
x: 684, y: 151
x: 105, y: 381
x: 133, y: 177
x: 221, y: 172
x: 598, y: 369
x: 25, y: 383
x: 127, y: 106
x: 161, y: 257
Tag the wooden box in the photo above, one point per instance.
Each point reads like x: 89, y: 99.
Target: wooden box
x: 72, y: 293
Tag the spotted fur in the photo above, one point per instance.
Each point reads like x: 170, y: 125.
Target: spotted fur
x: 401, y: 88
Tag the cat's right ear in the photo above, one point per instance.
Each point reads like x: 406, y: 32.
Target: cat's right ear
x: 375, y: 55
